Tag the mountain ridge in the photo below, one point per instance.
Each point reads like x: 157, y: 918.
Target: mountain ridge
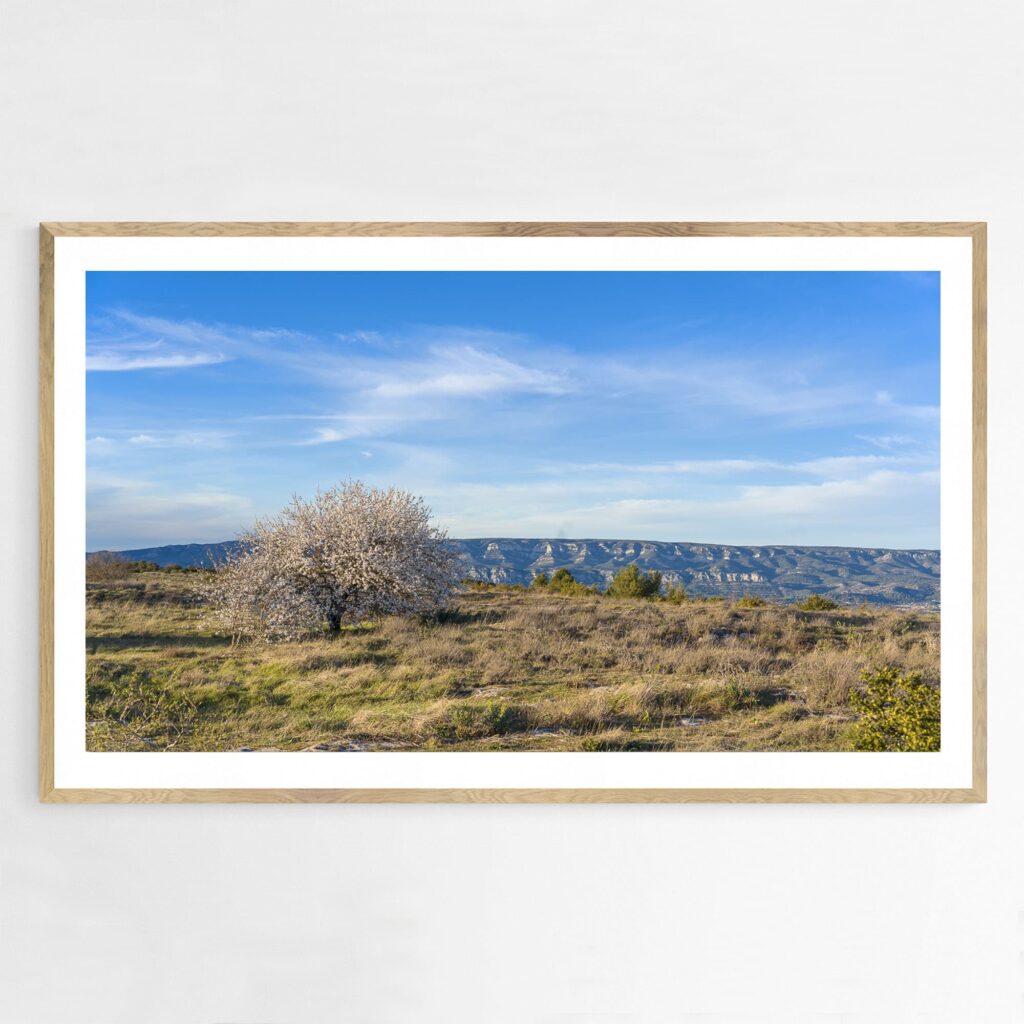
x: 780, y: 572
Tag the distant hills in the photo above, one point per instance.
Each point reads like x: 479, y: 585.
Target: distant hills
x: 775, y: 572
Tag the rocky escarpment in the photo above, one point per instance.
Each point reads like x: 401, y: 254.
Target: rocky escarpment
x: 774, y: 572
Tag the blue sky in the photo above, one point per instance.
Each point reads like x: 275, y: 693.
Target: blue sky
x: 740, y: 407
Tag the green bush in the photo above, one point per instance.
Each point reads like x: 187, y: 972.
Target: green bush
x: 675, y: 595
x: 634, y: 582
x: 898, y: 712
x: 751, y: 602
x: 817, y: 603
x: 562, y: 579
x: 564, y: 582
x: 540, y: 580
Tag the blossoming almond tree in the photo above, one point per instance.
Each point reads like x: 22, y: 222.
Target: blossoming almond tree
x: 351, y: 553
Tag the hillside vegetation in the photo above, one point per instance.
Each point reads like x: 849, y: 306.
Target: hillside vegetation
x: 502, y: 669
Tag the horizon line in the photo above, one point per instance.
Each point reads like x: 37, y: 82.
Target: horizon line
x: 575, y: 540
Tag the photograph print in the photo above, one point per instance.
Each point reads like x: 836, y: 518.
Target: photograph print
x: 513, y: 512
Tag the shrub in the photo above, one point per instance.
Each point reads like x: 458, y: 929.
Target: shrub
x: 741, y: 696
x: 817, y: 603
x: 751, y: 602
x: 540, y: 580
x: 135, y: 711
x: 351, y: 553
x: 486, y: 586
x: 479, y: 585
x: 564, y: 582
x: 675, y: 595
x: 898, y: 712
x: 106, y: 567
x: 469, y: 722
x: 631, y: 581
x: 562, y: 579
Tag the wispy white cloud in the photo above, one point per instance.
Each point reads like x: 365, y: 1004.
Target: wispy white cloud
x: 327, y: 435
x: 466, y: 371
x: 786, y: 395
x: 137, y: 439
x: 112, y: 361
x: 889, y: 441
x: 697, y: 467
x: 373, y: 339
x: 350, y: 426
x: 195, y: 332
x: 890, y: 405
x: 843, y: 466
x: 385, y: 395
x: 827, y: 466
x: 122, y: 341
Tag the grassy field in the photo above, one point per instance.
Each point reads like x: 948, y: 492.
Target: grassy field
x: 502, y: 669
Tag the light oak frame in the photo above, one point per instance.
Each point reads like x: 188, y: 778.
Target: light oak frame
x: 52, y: 230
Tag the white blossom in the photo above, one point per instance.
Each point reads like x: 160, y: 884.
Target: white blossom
x: 351, y: 553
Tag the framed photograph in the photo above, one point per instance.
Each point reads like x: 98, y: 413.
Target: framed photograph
x: 594, y: 512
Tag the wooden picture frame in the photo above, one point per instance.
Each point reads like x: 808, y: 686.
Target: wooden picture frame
x: 51, y: 234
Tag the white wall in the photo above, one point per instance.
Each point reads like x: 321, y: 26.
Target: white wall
x: 394, y: 109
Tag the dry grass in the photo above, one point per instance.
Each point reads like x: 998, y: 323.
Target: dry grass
x: 501, y: 670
